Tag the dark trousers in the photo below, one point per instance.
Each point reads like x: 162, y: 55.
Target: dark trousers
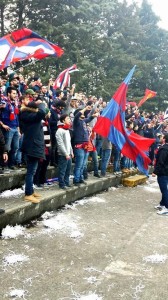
x: 54, y: 155
x: 41, y: 172
x: 32, y: 163
x: 64, y: 169
x: 163, y: 185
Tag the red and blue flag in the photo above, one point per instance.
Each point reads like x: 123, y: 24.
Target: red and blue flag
x: 63, y: 79
x: 111, y: 124
x: 24, y: 44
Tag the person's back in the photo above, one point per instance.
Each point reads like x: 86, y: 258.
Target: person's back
x: 33, y: 143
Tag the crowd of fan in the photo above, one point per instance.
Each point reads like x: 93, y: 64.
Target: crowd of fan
x: 73, y: 112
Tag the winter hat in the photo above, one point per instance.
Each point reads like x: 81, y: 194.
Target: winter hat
x: 30, y: 92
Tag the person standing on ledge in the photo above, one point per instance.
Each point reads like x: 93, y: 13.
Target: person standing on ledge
x: 3, y: 156
x: 33, y: 143
x: 161, y: 170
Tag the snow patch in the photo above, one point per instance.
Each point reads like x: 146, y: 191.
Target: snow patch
x: 14, y: 258
x: 90, y: 200
x: 155, y: 258
x: 13, y: 193
x: 18, y: 294
x: 64, y: 224
x: 47, y: 215
x: 10, y: 232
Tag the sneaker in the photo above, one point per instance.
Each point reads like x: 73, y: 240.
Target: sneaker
x: 69, y: 185
x: 2, y: 211
x: 77, y: 183
x: 117, y: 173
x: 1, y: 172
x: 63, y: 187
x: 38, y: 186
x: 47, y: 185
x: 21, y: 166
x: 97, y: 175
x: 13, y: 168
x: 163, y: 211
x: 83, y: 181
x: 159, y: 207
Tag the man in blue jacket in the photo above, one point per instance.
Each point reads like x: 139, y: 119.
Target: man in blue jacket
x: 80, y: 138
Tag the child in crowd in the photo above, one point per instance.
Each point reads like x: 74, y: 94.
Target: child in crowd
x: 65, y: 152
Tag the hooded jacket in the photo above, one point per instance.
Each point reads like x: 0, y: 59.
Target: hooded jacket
x: 33, y: 138
x: 161, y: 166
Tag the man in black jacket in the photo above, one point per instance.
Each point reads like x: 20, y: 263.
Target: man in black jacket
x: 33, y: 143
x: 3, y: 155
x: 161, y: 170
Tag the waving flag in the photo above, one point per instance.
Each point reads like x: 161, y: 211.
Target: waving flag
x: 63, y: 78
x: 148, y: 94
x: 165, y: 114
x: 24, y: 44
x: 111, y: 124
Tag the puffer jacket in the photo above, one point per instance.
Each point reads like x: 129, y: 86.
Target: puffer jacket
x: 161, y: 166
x: 33, y: 136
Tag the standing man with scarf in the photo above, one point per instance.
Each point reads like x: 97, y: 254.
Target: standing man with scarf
x: 10, y: 125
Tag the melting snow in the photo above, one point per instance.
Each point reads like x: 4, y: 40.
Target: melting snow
x: 10, y: 232
x: 90, y: 200
x: 151, y: 189
x: 76, y: 234
x: 60, y: 222
x: 155, y: 258
x: 64, y: 224
x: 13, y: 193
x: 14, y: 258
x: 17, y: 293
x: 112, y: 188
x: 91, y: 279
x: 88, y: 297
x: 47, y: 215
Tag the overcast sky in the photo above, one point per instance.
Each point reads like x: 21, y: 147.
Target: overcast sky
x: 160, y: 9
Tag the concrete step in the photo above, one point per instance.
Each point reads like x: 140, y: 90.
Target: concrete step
x: 18, y: 211
x: 15, y: 179
x: 134, y: 180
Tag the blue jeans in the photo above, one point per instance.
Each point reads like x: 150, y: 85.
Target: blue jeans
x: 32, y: 164
x: 93, y: 155
x: 117, y: 157
x: 99, y: 146
x: 80, y: 160
x: 124, y: 162
x: 19, y: 152
x: 64, y: 170
x: 163, y: 185
x: 12, y: 144
x: 106, y: 154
